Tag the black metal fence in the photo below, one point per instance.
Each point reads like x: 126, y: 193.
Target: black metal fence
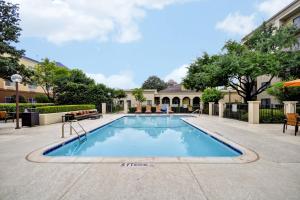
x: 205, y: 108
x: 298, y: 108
x: 114, y: 108
x: 273, y: 113
x: 236, y: 111
x: 215, y: 110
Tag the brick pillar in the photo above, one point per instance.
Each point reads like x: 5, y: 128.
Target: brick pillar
x: 253, y: 112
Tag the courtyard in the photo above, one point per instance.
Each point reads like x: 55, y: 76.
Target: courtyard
x: 274, y: 175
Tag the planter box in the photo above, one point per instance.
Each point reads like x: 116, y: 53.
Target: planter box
x: 52, y: 118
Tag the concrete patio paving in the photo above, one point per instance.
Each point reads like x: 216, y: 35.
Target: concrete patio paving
x: 276, y: 175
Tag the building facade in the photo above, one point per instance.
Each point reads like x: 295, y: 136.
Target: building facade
x: 8, y: 88
x: 175, y: 96
x: 290, y: 15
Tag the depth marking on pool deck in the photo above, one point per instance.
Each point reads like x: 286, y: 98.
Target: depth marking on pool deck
x: 135, y: 164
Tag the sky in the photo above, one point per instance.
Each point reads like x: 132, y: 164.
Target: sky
x: 122, y: 42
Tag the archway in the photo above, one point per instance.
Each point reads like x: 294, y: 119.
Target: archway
x: 186, y: 101
x: 196, y: 101
x: 176, y: 101
x: 166, y: 100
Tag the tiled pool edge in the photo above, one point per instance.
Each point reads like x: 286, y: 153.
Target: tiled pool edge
x: 246, y: 157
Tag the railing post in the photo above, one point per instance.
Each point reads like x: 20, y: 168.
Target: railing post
x: 210, y: 108
x: 253, y: 112
x: 221, y: 108
x: 290, y: 106
x: 103, y: 108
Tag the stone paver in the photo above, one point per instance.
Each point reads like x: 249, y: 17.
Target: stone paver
x: 276, y: 175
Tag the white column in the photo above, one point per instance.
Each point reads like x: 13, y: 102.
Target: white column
x: 290, y: 106
x: 125, y: 107
x: 253, y: 112
x: 221, y: 108
x: 103, y: 108
x: 211, y: 107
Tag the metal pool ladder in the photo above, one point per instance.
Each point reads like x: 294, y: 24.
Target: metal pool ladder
x: 73, y: 128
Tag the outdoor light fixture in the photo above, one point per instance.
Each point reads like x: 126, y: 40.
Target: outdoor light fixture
x: 17, y: 78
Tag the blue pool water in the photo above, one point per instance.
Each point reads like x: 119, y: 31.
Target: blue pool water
x: 144, y: 136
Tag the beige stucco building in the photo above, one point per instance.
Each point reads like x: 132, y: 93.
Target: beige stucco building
x: 290, y: 15
x: 176, y: 95
x: 8, y: 88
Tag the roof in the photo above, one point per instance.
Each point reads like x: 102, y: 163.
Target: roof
x: 27, y: 58
x: 57, y: 63
x: 273, y: 17
x: 174, y: 89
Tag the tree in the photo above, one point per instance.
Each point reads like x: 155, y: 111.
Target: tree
x: 41, y: 98
x: 153, y: 82
x: 284, y: 93
x: 47, y: 74
x: 119, y: 94
x: 138, y: 95
x: 78, y: 76
x: 9, y: 35
x: 171, y: 83
x: 211, y: 95
x: 241, y: 64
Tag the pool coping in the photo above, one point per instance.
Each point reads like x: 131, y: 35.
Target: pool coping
x: 247, y: 155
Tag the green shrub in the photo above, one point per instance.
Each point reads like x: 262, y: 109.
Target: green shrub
x: 64, y: 108
x: 41, y: 98
x: 269, y: 115
x: 211, y: 95
x: 11, y: 107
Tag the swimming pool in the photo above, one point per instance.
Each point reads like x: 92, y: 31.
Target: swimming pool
x: 146, y: 136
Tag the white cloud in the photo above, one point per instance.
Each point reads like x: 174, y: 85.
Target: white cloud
x: 237, y: 24
x: 62, y: 21
x: 122, y: 80
x: 271, y: 7
x: 177, y: 74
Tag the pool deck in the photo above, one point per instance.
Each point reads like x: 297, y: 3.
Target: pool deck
x: 275, y: 175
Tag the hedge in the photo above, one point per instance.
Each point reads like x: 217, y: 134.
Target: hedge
x: 11, y: 107
x: 64, y: 108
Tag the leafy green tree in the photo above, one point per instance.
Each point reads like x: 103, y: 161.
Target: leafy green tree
x: 138, y: 95
x: 211, y: 95
x: 284, y: 93
x: 46, y: 75
x: 119, y: 94
x: 241, y: 63
x: 10, y: 32
x: 154, y: 82
x: 78, y: 76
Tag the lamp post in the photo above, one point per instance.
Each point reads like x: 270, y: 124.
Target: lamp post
x: 111, y: 103
x: 16, y: 78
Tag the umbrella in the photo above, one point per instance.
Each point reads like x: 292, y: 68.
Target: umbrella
x: 294, y: 83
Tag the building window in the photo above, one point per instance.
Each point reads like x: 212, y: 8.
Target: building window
x: 266, y: 103
x: 31, y: 100
x: 9, y: 83
x: 296, y: 22
x: 8, y: 99
x: 149, y: 102
x: 32, y: 87
x: 265, y: 84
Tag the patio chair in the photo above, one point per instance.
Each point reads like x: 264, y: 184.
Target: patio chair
x: 148, y: 109
x: 138, y: 109
x: 158, y: 109
x: 291, y: 119
x: 6, y: 116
